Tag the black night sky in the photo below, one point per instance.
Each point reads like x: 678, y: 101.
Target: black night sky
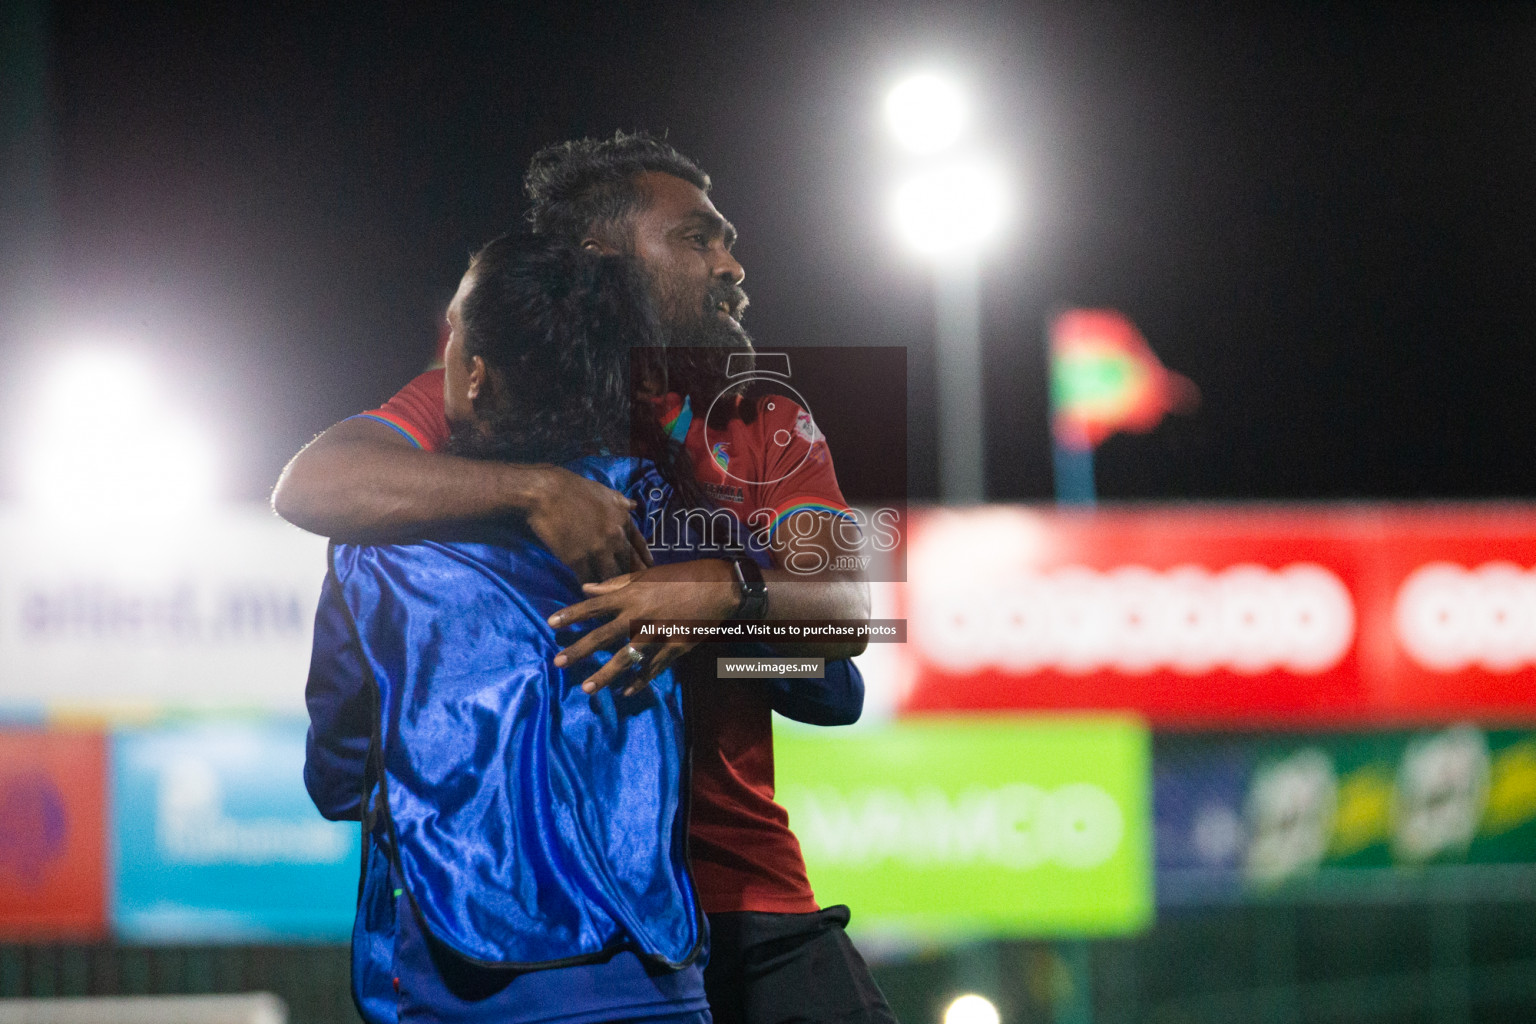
x: 1323, y: 214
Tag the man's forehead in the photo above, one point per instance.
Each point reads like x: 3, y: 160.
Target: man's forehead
x: 670, y: 198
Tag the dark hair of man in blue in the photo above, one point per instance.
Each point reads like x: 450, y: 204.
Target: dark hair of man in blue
x: 567, y: 336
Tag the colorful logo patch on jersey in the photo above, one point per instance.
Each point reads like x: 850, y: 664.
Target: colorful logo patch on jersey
x: 806, y: 427
x: 677, y: 422
x: 722, y: 456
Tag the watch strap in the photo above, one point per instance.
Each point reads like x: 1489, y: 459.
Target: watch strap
x: 753, y: 589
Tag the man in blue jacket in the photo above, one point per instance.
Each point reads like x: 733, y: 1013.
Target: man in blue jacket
x: 525, y: 842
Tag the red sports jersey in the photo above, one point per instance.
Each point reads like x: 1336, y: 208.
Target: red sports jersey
x: 416, y: 412
x: 743, y: 853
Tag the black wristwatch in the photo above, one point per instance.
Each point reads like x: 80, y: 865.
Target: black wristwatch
x: 754, y: 592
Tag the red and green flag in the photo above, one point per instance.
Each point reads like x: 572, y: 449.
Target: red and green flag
x: 1106, y: 378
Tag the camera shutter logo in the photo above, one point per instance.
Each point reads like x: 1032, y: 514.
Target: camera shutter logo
x: 772, y: 369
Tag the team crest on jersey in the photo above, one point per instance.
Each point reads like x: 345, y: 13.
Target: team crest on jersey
x: 806, y: 427
x: 720, y: 452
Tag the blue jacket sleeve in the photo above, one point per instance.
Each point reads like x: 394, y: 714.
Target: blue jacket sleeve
x: 340, y: 712
x: 835, y: 699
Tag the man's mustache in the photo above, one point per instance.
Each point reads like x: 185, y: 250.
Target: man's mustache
x: 731, y: 296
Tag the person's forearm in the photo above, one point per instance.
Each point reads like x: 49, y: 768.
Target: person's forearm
x: 827, y: 596
x: 362, y: 482
x: 360, y: 488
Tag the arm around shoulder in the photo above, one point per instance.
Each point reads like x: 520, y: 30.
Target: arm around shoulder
x: 362, y: 480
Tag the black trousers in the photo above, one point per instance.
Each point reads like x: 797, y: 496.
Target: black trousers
x: 783, y: 968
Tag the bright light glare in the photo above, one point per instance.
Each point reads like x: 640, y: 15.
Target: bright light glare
x: 946, y: 209
x: 103, y: 445
x: 926, y: 113
x: 971, y: 1009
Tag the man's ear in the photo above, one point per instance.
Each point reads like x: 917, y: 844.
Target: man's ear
x: 477, y: 378
x: 597, y: 245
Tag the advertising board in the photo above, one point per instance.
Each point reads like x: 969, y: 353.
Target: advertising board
x: 1002, y: 826
x: 1360, y: 816
x: 52, y: 835
x: 1225, y: 617
x: 215, y: 837
x: 214, y: 614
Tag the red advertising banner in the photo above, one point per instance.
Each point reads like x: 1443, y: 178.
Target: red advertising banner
x: 53, y: 841
x: 1225, y: 616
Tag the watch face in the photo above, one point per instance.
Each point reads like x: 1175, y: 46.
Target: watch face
x: 748, y: 572
x: 754, y: 592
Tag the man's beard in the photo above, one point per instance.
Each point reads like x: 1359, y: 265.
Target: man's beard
x: 701, y: 326
x: 704, y: 351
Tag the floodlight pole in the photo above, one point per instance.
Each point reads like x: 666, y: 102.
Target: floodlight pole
x: 962, y: 439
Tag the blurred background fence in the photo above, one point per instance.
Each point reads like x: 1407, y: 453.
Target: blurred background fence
x: 1417, y: 959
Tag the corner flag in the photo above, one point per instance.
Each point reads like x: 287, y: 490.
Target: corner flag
x: 1106, y: 378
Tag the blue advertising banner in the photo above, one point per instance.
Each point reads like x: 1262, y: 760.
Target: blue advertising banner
x: 215, y: 838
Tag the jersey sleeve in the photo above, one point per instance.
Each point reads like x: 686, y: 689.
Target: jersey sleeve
x: 796, y: 468
x: 835, y: 699
x: 416, y: 411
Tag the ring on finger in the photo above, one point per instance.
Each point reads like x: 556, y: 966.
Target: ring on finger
x: 634, y: 655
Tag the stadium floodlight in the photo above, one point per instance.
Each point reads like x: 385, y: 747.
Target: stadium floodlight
x: 946, y: 210
x: 954, y: 207
x: 104, y: 446
x: 926, y: 113
x: 972, y: 1009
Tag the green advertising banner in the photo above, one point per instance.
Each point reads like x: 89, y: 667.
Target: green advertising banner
x: 1458, y: 796
x: 1359, y: 814
x: 997, y: 826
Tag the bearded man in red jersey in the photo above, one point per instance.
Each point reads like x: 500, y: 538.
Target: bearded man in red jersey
x: 775, y: 955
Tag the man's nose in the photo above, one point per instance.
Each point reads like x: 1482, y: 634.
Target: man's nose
x: 728, y: 268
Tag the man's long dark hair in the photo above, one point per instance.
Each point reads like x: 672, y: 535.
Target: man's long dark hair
x: 564, y: 334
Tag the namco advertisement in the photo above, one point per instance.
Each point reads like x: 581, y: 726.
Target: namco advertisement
x: 1267, y: 617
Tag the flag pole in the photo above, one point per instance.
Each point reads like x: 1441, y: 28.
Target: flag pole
x: 1071, y: 458
x: 1074, y: 474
